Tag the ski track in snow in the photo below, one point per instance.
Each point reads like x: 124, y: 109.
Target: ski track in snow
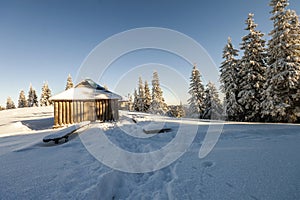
x: 250, y: 161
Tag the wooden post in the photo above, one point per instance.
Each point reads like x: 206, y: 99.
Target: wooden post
x: 64, y: 112
x: 75, y: 103
x: 103, y: 110
x: 67, y: 112
x: 100, y: 110
x: 111, y: 107
x: 86, y: 111
x: 74, y: 112
x: 77, y: 111
x: 93, y: 110
x: 97, y: 109
x: 110, y: 110
x: 116, y: 110
x: 60, y: 113
x: 90, y: 112
x: 56, y: 114
x: 107, y: 110
x: 81, y: 111
x: 87, y: 107
x: 71, y: 113
x: 111, y: 102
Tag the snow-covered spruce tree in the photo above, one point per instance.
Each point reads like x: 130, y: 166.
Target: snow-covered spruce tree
x: 176, y: 111
x: 158, y: 105
x: 172, y: 111
x: 180, y: 111
x: 22, y: 100
x: 230, y: 80
x: 129, y: 102
x: 32, y: 97
x: 295, y: 53
x: 282, y: 91
x: 196, y: 90
x: 252, y: 71
x: 10, y: 104
x: 69, y: 82
x: 135, y: 100
x: 147, y: 101
x: 45, y: 95
x: 213, y: 106
x: 141, y: 96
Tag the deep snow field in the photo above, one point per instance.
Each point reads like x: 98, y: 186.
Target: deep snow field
x: 249, y: 161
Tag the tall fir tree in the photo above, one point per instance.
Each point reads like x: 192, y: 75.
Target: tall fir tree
x: 230, y: 80
x: 22, y: 100
x: 45, y: 96
x: 158, y: 105
x: 10, y: 104
x: 147, y: 101
x: 196, y: 91
x: 32, y: 97
x: 141, y: 96
x: 135, y: 101
x: 282, y: 87
x: 69, y: 84
x: 212, y: 102
x: 252, y: 71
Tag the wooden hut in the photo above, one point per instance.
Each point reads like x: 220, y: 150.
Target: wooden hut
x: 87, y: 101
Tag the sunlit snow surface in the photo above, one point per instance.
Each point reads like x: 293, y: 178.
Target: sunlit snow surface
x: 250, y: 161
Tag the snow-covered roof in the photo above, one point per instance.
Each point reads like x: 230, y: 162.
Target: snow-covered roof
x: 86, y: 90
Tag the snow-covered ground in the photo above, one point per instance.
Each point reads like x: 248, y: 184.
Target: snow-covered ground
x: 25, y: 120
x: 249, y: 161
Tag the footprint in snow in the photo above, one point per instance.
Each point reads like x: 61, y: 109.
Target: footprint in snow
x: 253, y: 197
x: 229, y: 185
x: 207, y: 164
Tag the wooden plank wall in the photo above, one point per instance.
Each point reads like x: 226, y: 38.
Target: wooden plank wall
x: 69, y: 112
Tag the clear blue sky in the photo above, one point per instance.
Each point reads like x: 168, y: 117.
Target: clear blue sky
x: 46, y: 40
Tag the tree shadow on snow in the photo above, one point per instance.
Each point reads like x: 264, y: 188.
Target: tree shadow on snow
x: 39, y: 124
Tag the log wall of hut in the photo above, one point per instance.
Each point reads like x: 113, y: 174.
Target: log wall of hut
x: 70, y: 112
